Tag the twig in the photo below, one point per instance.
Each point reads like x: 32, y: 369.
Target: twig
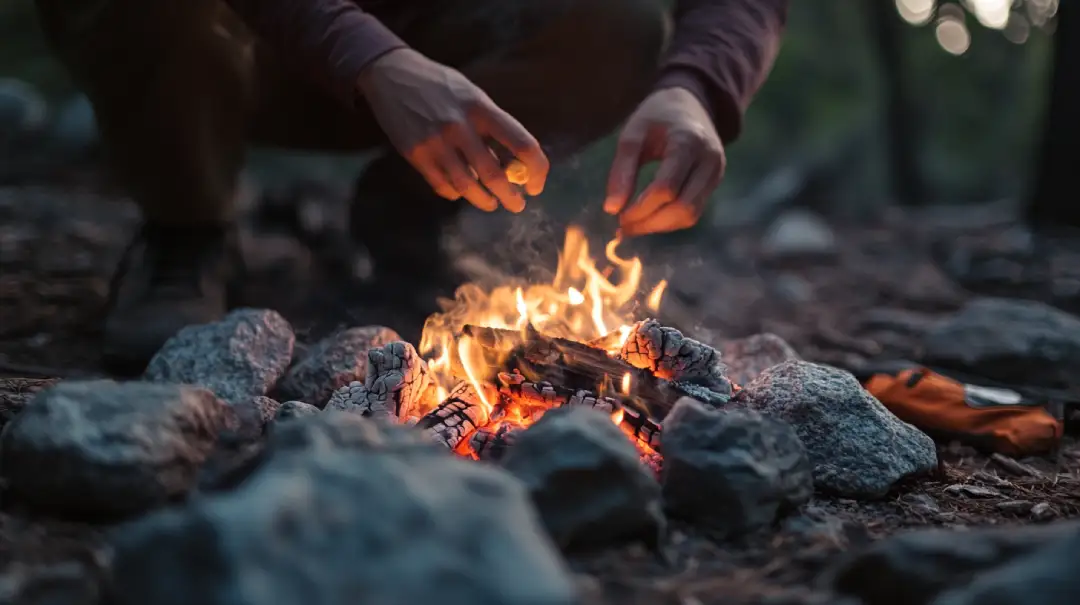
x: 1017, y: 468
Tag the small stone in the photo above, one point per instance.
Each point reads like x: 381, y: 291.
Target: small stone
x: 110, y: 449
x: 333, y: 363
x: 1015, y: 506
x: 798, y: 233
x: 291, y: 410
x: 327, y: 526
x: 748, y: 357
x: 1019, y: 341
x: 586, y: 480
x: 858, y: 448
x: 1043, y: 512
x: 238, y: 358
x: 733, y: 470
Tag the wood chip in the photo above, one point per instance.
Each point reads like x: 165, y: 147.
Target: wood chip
x: 1015, y: 506
x: 990, y: 479
x: 972, y: 491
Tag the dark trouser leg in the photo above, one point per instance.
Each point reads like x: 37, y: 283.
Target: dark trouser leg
x: 569, y: 70
x: 169, y: 83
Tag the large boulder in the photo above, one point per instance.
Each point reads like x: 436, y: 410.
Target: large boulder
x: 858, y: 448
x: 329, y: 526
x: 108, y: 449
x: 1018, y: 341
x: 238, y: 358
x: 732, y: 470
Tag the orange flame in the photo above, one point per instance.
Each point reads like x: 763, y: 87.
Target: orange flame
x: 582, y: 303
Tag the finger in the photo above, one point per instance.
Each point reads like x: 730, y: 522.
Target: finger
x: 428, y: 167
x: 664, y: 188
x: 487, y: 168
x: 701, y: 183
x: 463, y: 180
x: 624, y: 171
x: 672, y: 216
x: 501, y: 126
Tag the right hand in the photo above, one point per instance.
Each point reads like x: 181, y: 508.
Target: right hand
x: 438, y: 120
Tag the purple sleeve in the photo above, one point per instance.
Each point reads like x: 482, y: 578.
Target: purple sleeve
x: 330, y: 40
x: 722, y: 51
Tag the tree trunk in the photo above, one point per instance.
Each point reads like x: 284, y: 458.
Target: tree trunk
x: 1052, y: 202
x: 901, y: 125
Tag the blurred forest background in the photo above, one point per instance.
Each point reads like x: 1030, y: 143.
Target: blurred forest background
x: 912, y: 100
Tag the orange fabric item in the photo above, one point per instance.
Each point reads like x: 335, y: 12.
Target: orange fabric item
x: 994, y: 419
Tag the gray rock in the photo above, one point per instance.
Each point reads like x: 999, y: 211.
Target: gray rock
x: 333, y: 363
x: 1046, y: 576
x: 238, y: 358
x: 339, y: 430
x: 332, y: 527
x: 858, y: 448
x: 916, y: 567
x: 110, y: 449
x: 291, y: 410
x: 1018, y: 341
x: 748, y: 357
x: 586, y: 480
x: 732, y: 470
x: 798, y: 233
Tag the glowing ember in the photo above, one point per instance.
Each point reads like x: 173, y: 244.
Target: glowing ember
x: 584, y: 303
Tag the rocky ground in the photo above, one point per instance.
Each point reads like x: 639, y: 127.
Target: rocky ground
x: 905, y: 286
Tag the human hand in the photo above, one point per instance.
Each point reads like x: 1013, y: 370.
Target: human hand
x: 439, y: 120
x: 672, y: 126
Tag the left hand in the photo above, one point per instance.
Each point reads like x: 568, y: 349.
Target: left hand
x: 671, y: 126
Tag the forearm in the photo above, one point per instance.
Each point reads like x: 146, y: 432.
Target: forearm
x: 722, y: 51
x: 332, y: 41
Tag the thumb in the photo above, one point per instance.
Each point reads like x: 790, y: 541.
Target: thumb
x: 624, y: 170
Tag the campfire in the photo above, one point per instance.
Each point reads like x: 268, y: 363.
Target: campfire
x: 492, y: 363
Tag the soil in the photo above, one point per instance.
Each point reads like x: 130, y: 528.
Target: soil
x: 870, y: 297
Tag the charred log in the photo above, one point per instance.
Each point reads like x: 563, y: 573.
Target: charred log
x: 492, y: 442
x: 572, y: 365
x: 398, y: 385
x: 454, y: 420
x: 666, y: 353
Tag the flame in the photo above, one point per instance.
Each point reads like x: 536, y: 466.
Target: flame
x: 653, y: 302
x: 626, y: 383
x: 617, y: 416
x: 583, y: 302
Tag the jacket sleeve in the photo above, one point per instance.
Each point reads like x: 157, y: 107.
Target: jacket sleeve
x: 330, y: 40
x: 722, y: 51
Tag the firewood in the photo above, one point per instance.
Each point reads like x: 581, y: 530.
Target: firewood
x: 398, y: 385
x: 666, y: 353
x: 457, y: 417
x: 570, y: 365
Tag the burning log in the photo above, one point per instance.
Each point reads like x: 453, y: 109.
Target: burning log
x: 641, y: 428
x: 457, y: 417
x: 398, y: 385
x: 492, y: 443
x: 669, y: 355
x: 573, y: 365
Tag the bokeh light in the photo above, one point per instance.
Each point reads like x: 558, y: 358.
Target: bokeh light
x: 916, y: 12
x: 953, y: 35
x: 993, y: 14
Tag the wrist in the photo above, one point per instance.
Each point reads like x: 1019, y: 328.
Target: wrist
x: 370, y: 73
x: 689, y: 81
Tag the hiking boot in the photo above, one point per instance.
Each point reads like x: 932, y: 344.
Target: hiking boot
x: 169, y: 278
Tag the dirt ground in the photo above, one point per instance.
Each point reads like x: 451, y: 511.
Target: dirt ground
x: 870, y: 297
